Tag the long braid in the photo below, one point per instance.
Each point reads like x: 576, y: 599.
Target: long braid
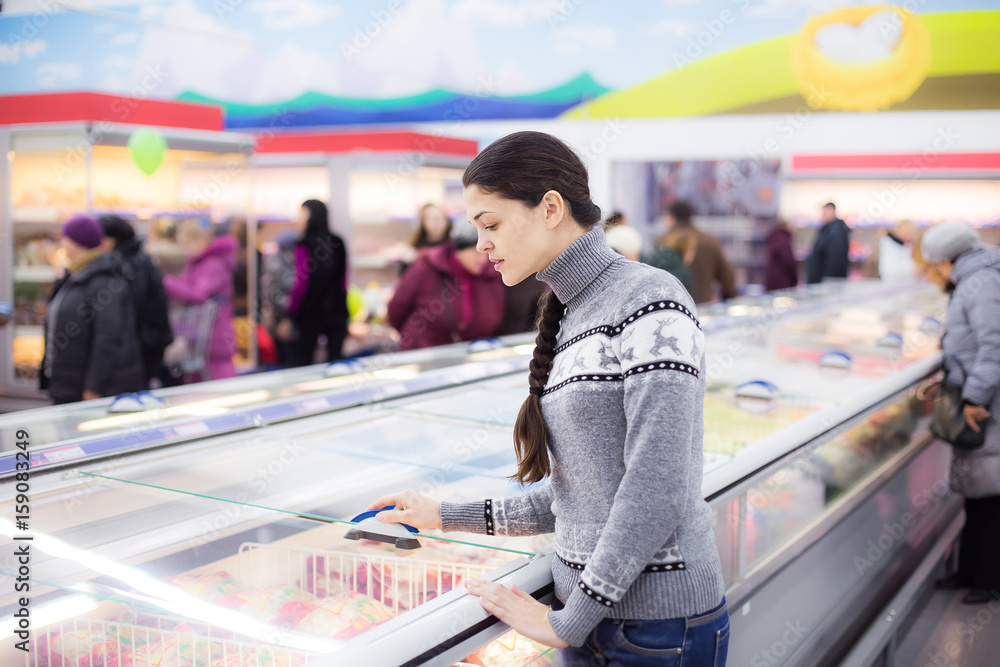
x: 530, y: 432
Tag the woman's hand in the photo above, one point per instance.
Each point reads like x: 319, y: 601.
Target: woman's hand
x: 411, y: 508
x: 975, y: 414
x: 517, y: 609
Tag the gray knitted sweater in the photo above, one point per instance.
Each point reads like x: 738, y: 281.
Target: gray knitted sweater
x: 623, y: 405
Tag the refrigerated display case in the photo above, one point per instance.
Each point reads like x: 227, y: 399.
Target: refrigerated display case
x: 77, y: 161
x: 230, y: 549
x: 82, y: 429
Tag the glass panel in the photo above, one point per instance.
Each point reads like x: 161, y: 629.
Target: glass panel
x: 122, y: 571
x: 784, y: 504
x: 726, y: 524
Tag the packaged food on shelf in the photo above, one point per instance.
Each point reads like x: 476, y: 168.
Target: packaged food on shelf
x: 511, y: 650
x: 338, y: 617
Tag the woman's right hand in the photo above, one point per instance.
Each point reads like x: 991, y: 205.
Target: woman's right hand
x: 411, y: 508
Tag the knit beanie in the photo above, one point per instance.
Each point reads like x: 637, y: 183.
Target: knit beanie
x: 464, y: 235
x: 946, y: 241
x: 83, y: 231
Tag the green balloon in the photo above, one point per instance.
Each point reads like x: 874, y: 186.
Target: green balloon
x: 147, y: 148
x: 354, y: 301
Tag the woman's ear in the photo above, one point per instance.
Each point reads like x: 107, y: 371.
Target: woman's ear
x: 553, y: 208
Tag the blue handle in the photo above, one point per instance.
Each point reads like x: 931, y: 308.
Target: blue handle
x: 371, y: 513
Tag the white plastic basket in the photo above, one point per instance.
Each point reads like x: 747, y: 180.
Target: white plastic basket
x: 147, y: 639
x: 401, y: 583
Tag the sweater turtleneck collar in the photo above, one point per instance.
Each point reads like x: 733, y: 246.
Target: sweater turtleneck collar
x: 578, y: 265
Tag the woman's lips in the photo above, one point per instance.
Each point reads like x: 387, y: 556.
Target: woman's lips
x: 497, y: 263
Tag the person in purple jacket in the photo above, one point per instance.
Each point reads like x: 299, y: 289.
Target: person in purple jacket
x: 782, y: 270
x: 209, y: 275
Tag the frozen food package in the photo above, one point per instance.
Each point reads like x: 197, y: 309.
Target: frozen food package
x: 98, y: 645
x: 510, y: 650
x: 338, y: 617
x: 210, y: 586
x: 264, y: 604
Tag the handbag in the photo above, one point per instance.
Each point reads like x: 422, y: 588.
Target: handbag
x: 948, y: 421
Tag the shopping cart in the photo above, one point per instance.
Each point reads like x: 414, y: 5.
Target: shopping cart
x: 193, y: 327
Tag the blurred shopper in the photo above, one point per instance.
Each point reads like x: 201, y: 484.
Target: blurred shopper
x: 616, y: 218
x: 894, y: 254
x: 520, y: 312
x: 626, y: 241
x: 701, y: 252
x: 433, y: 229
x: 208, y: 276
x: 276, y: 286
x: 450, y: 294
x: 829, y: 256
x: 317, y: 305
x: 241, y: 275
x: 971, y: 349
x: 149, y: 298
x: 91, y: 345
x: 782, y: 270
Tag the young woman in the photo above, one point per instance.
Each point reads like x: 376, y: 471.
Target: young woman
x: 614, y: 421
x: 318, y: 302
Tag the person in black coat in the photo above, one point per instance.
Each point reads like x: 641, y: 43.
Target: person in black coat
x: 829, y: 257
x: 152, y: 319
x: 318, y: 302
x: 91, y: 348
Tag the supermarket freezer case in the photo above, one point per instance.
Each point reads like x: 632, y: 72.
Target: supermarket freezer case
x: 81, y: 429
x: 275, y: 488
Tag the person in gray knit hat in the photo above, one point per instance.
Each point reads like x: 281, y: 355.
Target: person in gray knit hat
x: 613, y: 421
x: 970, y: 269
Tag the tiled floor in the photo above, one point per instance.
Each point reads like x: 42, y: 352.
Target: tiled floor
x: 949, y: 634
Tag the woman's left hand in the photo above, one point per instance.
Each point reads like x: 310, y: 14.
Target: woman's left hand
x: 517, y: 609
x: 975, y: 414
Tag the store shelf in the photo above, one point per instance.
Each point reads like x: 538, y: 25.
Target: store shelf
x: 35, y: 274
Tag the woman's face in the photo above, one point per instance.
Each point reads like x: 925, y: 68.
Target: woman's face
x: 301, y: 220
x: 939, y: 274
x: 435, y: 224
x: 73, y: 250
x: 517, y: 239
x: 193, y: 247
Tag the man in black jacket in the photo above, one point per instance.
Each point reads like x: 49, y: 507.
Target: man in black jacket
x: 91, y: 349
x: 829, y: 257
x: 145, y: 284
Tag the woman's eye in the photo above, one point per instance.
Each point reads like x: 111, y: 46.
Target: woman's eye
x: 490, y: 228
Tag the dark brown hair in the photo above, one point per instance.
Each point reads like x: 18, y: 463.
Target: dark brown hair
x: 524, y: 166
x: 419, y: 238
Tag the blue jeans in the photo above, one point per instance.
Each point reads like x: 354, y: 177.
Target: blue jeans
x: 696, y: 641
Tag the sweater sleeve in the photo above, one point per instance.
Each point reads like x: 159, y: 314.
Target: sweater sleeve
x: 663, y: 390
x: 301, y: 283
x: 529, y: 513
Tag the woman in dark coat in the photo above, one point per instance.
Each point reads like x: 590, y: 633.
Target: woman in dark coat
x: 91, y: 345
x: 318, y: 303
x: 782, y: 270
x: 152, y: 319
x: 450, y: 294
